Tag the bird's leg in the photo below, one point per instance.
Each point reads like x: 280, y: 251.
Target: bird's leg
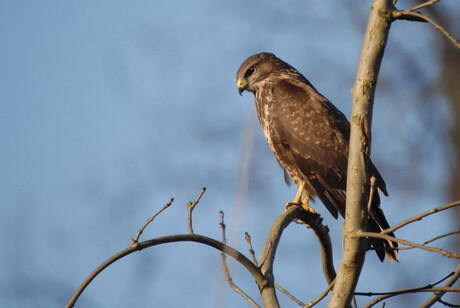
x: 301, y: 202
x: 298, y: 196
x: 305, y: 204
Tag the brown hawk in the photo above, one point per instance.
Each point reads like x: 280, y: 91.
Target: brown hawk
x: 309, y: 137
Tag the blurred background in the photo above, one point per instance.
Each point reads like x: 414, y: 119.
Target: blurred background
x: 110, y: 108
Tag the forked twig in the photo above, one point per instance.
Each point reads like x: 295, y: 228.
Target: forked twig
x: 190, y: 207
x: 136, y: 239
x: 225, y: 267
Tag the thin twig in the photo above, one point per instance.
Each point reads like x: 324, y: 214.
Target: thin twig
x: 447, y: 304
x: 323, y: 295
x: 407, y: 290
x: 251, y: 251
x: 437, y: 295
x: 433, y: 239
x: 385, y: 295
x: 407, y: 14
x: 371, y: 194
x: 190, y: 207
x: 225, y: 267
x: 254, y: 260
x: 425, y: 4
x: 421, y: 216
x: 136, y: 239
x: 395, y: 239
x: 292, y: 297
x: 439, y: 289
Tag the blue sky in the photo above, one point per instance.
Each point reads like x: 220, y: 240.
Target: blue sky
x: 108, y: 109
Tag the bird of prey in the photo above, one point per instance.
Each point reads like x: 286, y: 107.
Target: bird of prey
x: 309, y: 137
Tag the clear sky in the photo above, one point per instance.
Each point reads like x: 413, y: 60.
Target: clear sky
x: 110, y: 108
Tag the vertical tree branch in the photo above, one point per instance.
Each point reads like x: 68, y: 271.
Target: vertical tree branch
x: 360, y: 139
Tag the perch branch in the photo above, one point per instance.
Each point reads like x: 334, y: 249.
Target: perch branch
x: 267, y: 256
x: 314, y: 221
x: 421, y: 216
x: 225, y: 267
x: 190, y: 207
x: 136, y: 239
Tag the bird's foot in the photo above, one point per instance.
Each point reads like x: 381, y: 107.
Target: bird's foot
x: 304, y: 204
x: 307, y: 206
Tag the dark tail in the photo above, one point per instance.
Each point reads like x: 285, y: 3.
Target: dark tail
x: 377, y: 223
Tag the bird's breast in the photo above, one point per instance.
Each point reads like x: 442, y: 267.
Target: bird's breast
x: 266, y: 112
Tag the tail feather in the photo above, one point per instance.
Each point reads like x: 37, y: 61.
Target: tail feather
x: 377, y: 223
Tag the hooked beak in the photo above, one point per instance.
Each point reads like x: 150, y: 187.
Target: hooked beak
x: 241, y: 86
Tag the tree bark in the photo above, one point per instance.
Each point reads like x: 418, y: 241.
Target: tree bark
x: 360, y: 141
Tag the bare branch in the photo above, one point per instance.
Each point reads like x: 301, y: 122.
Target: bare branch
x: 190, y: 207
x: 395, y: 239
x: 425, y: 4
x: 441, y: 236
x: 135, y: 240
x: 254, y: 270
x: 314, y: 221
x: 225, y: 267
x: 406, y: 13
x: 363, y: 92
x: 433, y: 239
x: 319, y: 298
x: 251, y: 251
x: 292, y: 297
x: 437, y: 295
x: 267, y: 256
x: 421, y: 216
x: 385, y: 295
x: 440, y: 289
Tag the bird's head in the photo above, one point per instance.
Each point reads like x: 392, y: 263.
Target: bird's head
x: 253, y: 72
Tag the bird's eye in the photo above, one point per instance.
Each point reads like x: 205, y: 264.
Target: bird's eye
x: 249, y: 72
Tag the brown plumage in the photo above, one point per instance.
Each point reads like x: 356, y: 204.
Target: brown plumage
x: 309, y: 137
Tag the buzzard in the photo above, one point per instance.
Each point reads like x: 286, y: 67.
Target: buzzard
x: 309, y: 137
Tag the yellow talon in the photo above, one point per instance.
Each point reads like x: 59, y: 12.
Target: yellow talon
x: 307, y: 206
x: 299, y: 201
